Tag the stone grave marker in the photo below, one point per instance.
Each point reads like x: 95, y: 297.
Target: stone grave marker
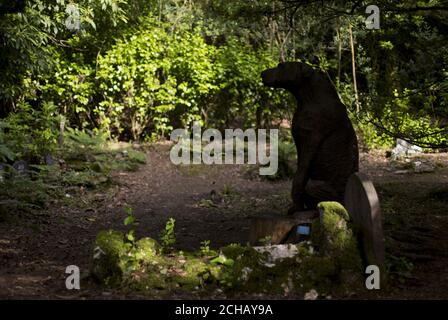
x: 405, y: 149
x: 21, y: 168
x: 361, y: 202
x: 49, y: 160
x: 363, y: 205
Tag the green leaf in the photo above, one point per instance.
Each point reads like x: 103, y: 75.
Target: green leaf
x: 129, y: 220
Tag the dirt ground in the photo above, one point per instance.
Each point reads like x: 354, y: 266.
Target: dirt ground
x: 216, y: 203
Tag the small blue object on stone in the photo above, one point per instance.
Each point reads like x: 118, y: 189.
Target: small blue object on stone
x: 303, y: 230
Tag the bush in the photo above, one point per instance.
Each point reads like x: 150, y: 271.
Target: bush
x: 243, y: 101
x: 370, y: 137
x: 30, y: 133
x: 154, y: 80
x: 71, y: 87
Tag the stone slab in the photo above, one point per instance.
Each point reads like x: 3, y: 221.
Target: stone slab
x: 363, y: 205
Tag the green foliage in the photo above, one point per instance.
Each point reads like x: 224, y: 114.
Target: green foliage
x: 206, y: 203
x: 84, y: 161
x: 84, y: 178
x: 137, y: 157
x: 205, y: 248
x: 138, y: 69
x: 371, y: 137
x: 398, y: 119
x: 31, y: 133
x: 242, y: 99
x: 141, y: 68
x: 80, y: 144
x: 23, y: 195
x: 334, y: 268
x: 399, y: 268
x: 153, y: 84
x: 30, y: 37
x: 130, y: 219
x: 90, y: 161
x: 23, y: 48
x: 70, y: 87
x: 146, y: 87
x: 6, y: 154
x: 168, y: 237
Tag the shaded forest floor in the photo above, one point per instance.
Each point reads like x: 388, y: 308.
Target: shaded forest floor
x: 216, y: 203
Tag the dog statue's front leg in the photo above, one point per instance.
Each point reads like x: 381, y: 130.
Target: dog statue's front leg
x: 308, y: 149
x: 298, y: 202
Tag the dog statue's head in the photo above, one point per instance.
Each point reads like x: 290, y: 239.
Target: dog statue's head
x: 287, y: 75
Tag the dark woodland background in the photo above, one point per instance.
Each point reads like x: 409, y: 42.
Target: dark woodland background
x: 85, y: 115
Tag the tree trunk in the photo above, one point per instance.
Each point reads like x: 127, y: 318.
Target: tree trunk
x: 339, y: 52
x: 61, y: 131
x: 355, y: 85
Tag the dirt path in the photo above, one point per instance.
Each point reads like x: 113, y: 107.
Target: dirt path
x: 209, y: 203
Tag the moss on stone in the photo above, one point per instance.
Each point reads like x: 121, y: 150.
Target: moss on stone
x: 107, y: 264
x: 192, y: 274
x: 316, y: 272
x: 329, y: 263
x: 334, y: 208
x: 147, y: 249
x: 240, y: 267
x: 335, y: 240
